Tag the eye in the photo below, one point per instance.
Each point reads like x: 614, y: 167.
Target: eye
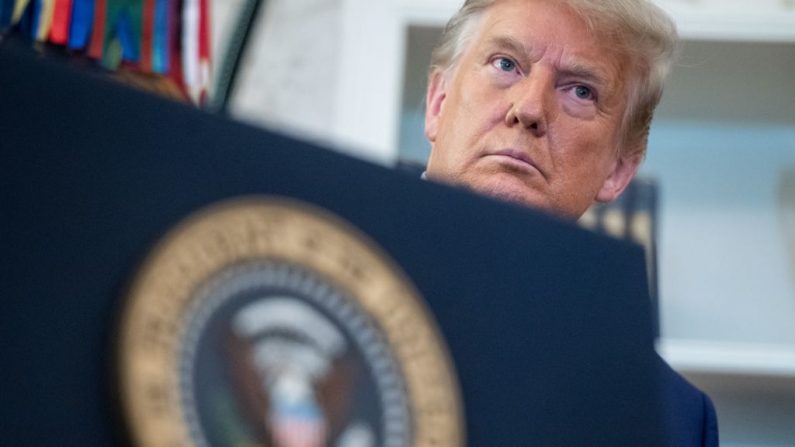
x: 583, y: 92
x: 505, y: 64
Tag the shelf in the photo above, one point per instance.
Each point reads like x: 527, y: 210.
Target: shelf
x: 729, y: 359
x: 767, y: 21
x: 751, y: 385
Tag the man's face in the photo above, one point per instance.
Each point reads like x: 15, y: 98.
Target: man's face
x: 532, y: 111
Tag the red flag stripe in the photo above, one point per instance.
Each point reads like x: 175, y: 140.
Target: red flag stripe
x: 61, y: 18
x: 98, y: 32
x: 147, y: 31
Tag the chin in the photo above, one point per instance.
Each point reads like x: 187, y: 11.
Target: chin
x: 519, y: 193
x: 512, y: 191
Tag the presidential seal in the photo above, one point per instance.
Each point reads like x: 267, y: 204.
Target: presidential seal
x: 267, y: 322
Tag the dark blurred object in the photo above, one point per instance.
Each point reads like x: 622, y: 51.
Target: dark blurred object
x: 632, y: 217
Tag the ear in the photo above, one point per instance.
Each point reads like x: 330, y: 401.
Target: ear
x: 434, y: 100
x: 624, y: 169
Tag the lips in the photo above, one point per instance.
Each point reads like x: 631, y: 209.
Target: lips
x: 516, y: 157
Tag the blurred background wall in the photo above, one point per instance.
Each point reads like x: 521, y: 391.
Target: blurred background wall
x: 288, y: 77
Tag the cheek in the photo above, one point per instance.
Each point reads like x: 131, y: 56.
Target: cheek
x: 585, y: 140
x: 478, y: 104
x: 461, y: 127
x: 570, y: 146
x: 581, y: 158
x: 449, y: 149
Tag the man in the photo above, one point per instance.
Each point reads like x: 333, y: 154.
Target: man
x: 548, y: 103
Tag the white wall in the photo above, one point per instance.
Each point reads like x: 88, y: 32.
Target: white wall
x: 290, y: 68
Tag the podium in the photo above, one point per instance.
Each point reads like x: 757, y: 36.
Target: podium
x: 546, y: 326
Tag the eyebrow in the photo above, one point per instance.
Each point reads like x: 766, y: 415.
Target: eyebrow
x: 574, y: 69
x: 585, y: 72
x: 511, y: 44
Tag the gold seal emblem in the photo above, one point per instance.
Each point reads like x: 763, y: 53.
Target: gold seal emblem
x: 271, y: 322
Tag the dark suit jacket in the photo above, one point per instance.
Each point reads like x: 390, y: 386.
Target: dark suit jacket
x: 689, y: 418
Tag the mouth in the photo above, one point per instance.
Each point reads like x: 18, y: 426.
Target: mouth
x: 515, y: 158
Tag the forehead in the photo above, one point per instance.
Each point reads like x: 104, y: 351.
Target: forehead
x: 548, y: 28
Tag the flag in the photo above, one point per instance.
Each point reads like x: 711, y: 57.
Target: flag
x: 62, y: 17
x: 98, y: 29
x: 25, y: 20
x: 147, y: 35
x: 174, y: 42
x: 133, y: 12
x: 35, y: 19
x: 196, y: 48
x: 125, y: 35
x: 160, y: 38
x: 190, y: 46
x: 204, y: 50
x: 46, y: 10
x: 82, y: 20
x: 19, y: 8
x: 123, y: 26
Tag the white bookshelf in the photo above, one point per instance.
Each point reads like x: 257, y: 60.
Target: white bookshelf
x: 750, y: 360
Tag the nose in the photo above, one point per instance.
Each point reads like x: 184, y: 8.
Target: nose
x: 532, y: 103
